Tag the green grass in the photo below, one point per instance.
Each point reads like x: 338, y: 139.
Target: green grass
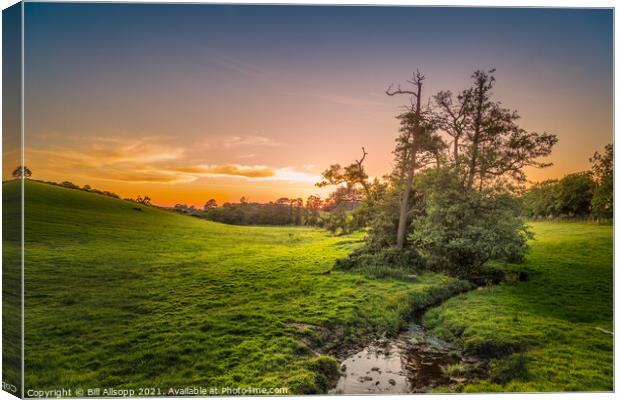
x: 543, y: 333
x: 11, y: 290
x: 117, y: 297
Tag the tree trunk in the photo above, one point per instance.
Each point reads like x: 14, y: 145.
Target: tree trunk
x: 403, y: 217
x: 476, y: 139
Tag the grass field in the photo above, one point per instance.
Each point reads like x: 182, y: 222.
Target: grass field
x: 548, y: 330
x: 129, y: 298
x: 126, y: 298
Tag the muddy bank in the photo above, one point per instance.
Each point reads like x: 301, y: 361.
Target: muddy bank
x: 412, y: 362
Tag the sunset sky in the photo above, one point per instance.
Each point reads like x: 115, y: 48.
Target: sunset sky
x: 189, y: 102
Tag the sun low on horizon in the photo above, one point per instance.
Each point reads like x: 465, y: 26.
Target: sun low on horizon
x: 185, y: 103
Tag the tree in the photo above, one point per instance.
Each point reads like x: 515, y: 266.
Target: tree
x: 450, y: 198
x: 22, y: 172
x: 488, y: 146
x: 410, y: 134
x: 351, y: 175
x: 603, y: 174
x: 574, y: 194
x: 314, y: 204
x: 210, y: 204
x: 540, y: 200
x: 146, y: 200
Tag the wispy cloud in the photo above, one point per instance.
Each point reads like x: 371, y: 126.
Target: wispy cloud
x: 253, y: 172
x: 111, y: 152
x: 246, y: 171
x: 250, y: 141
x: 149, y: 161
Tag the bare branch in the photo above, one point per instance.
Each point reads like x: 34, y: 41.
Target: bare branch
x: 359, y: 163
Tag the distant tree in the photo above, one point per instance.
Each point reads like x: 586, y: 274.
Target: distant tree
x: 574, y: 194
x: 86, y: 187
x: 540, y: 200
x: 146, y: 200
x: 180, y: 207
x: 314, y: 204
x: 69, y: 185
x: 210, y: 204
x: 603, y: 174
x: 22, y: 171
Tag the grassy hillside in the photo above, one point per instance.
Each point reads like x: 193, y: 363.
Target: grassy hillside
x: 124, y: 297
x: 549, y: 332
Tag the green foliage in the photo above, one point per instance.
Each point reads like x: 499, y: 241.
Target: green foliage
x: 461, y: 230
x: 284, y: 211
x: 454, y: 204
x: 384, y: 263
x: 574, y: 194
x: 570, y: 197
x: 603, y: 198
x: 603, y: 172
x: 120, y: 298
x: 554, y: 318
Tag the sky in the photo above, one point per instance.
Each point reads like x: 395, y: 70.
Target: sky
x: 190, y: 102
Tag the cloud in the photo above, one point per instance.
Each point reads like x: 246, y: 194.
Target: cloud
x: 254, y: 141
x: 145, y: 177
x: 104, y: 153
x: 146, y: 161
x: 253, y: 172
x: 245, y: 171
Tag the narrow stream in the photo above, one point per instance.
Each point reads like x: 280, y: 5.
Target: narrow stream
x: 408, y: 363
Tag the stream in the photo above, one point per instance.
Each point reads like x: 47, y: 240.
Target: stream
x: 408, y: 363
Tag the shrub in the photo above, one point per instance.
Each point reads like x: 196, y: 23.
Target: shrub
x: 461, y: 230
x: 385, y: 263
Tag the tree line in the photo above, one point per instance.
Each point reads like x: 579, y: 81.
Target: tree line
x: 314, y: 211
x: 587, y: 194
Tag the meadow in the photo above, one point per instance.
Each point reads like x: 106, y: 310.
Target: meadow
x: 128, y: 296
x: 552, y: 332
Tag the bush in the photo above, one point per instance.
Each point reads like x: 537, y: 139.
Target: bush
x: 461, y: 230
x: 385, y: 263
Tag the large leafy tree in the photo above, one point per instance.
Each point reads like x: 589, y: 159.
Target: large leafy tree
x: 457, y: 165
